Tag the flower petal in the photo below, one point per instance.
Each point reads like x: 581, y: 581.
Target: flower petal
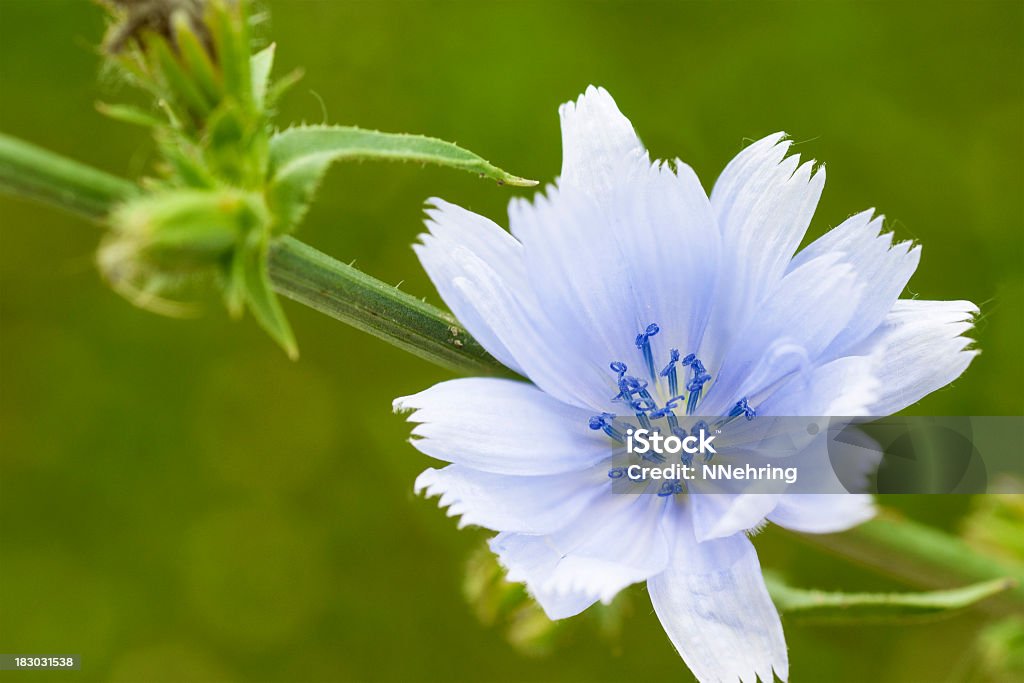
x: 718, y: 515
x: 822, y: 513
x: 502, y: 426
x: 530, y: 504
x: 453, y: 228
x: 616, y: 542
x: 807, y: 309
x: 882, y: 267
x: 844, y: 387
x: 713, y: 603
x: 924, y: 350
x: 598, y: 142
x: 631, y: 254
x: 763, y: 202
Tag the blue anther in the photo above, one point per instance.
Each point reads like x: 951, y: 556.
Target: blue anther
x: 618, y: 367
x: 742, y: 408
x: 643, y: 342
x: 604, y: 423
x: 670, y: 488
x: 642, y: 418
x: 696, y: 385
x: 673, y: 421
x: 617, y: 472
x: 670, y: 372
x: 629, y: 385
x: 645, y: 405
x: 698, y: 382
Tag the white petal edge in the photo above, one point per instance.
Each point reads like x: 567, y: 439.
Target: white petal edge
x: 503, y: 427
x: 715, y: 608
x: 924, y: 350
x: 524, y: 504
x: 598, y: 142
x: 822, y: 513
x: 617, y: 541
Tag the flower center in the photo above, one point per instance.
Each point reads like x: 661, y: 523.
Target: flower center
x: 641, y: 409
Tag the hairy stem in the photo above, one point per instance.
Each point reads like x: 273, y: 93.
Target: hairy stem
x: 910, y: 551
x: 297, y: 270
x: 33, y: 172
x: 313, y: 278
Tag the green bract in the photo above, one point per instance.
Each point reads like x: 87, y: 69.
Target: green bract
x: 228, y: 184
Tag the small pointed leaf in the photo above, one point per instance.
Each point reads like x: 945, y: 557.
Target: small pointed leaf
x: 817, y: 605
x: 260, y: 65
x: 299, y: 157
x: 128, y: 114
x: 262, y: 301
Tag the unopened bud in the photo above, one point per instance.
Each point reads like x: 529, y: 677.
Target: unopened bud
x: 160, y: 243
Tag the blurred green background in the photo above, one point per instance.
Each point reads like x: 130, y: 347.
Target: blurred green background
x: 180, y: 502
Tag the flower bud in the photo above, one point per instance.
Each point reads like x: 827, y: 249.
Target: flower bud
x: 160, y: 243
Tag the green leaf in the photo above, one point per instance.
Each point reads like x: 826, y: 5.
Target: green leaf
x: 262, y: 301
x: 299, y: 157
x: 228, y: 24
x: 180, y: 87
x: 816, y: 605
x: 260, y: 65
x: 128, y: 114
x: 195, y: 57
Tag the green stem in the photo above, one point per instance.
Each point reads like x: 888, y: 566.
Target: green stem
x: 919, y: 554
x: 313, y: 278
x: 297, y: 270
x: 33, y: 172
x: 911, y: 551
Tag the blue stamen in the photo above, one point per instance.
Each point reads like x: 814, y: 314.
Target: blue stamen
x: 618, y: 367
x: 670, y: 372
x: 641, y: 416
x: 604, y: 422
x: 743, y: 408
x: 629, y: 385
x: 643, y: 342
x: 696, y: 385
x: 666, y: 412
x: 670, y: 488
x: 691, y: 402
x: 617, y: 472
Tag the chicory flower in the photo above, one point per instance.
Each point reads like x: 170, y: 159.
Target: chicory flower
x: 626, y: 295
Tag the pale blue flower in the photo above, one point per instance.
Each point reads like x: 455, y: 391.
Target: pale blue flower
x: 626, y: 293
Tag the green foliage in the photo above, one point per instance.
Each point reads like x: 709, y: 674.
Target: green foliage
x: 996, y: 523
x: 299, y: 157
x: 1001, y: 650
x: 817, y: 605
x: 216, y: 99
x: 261, y: 299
